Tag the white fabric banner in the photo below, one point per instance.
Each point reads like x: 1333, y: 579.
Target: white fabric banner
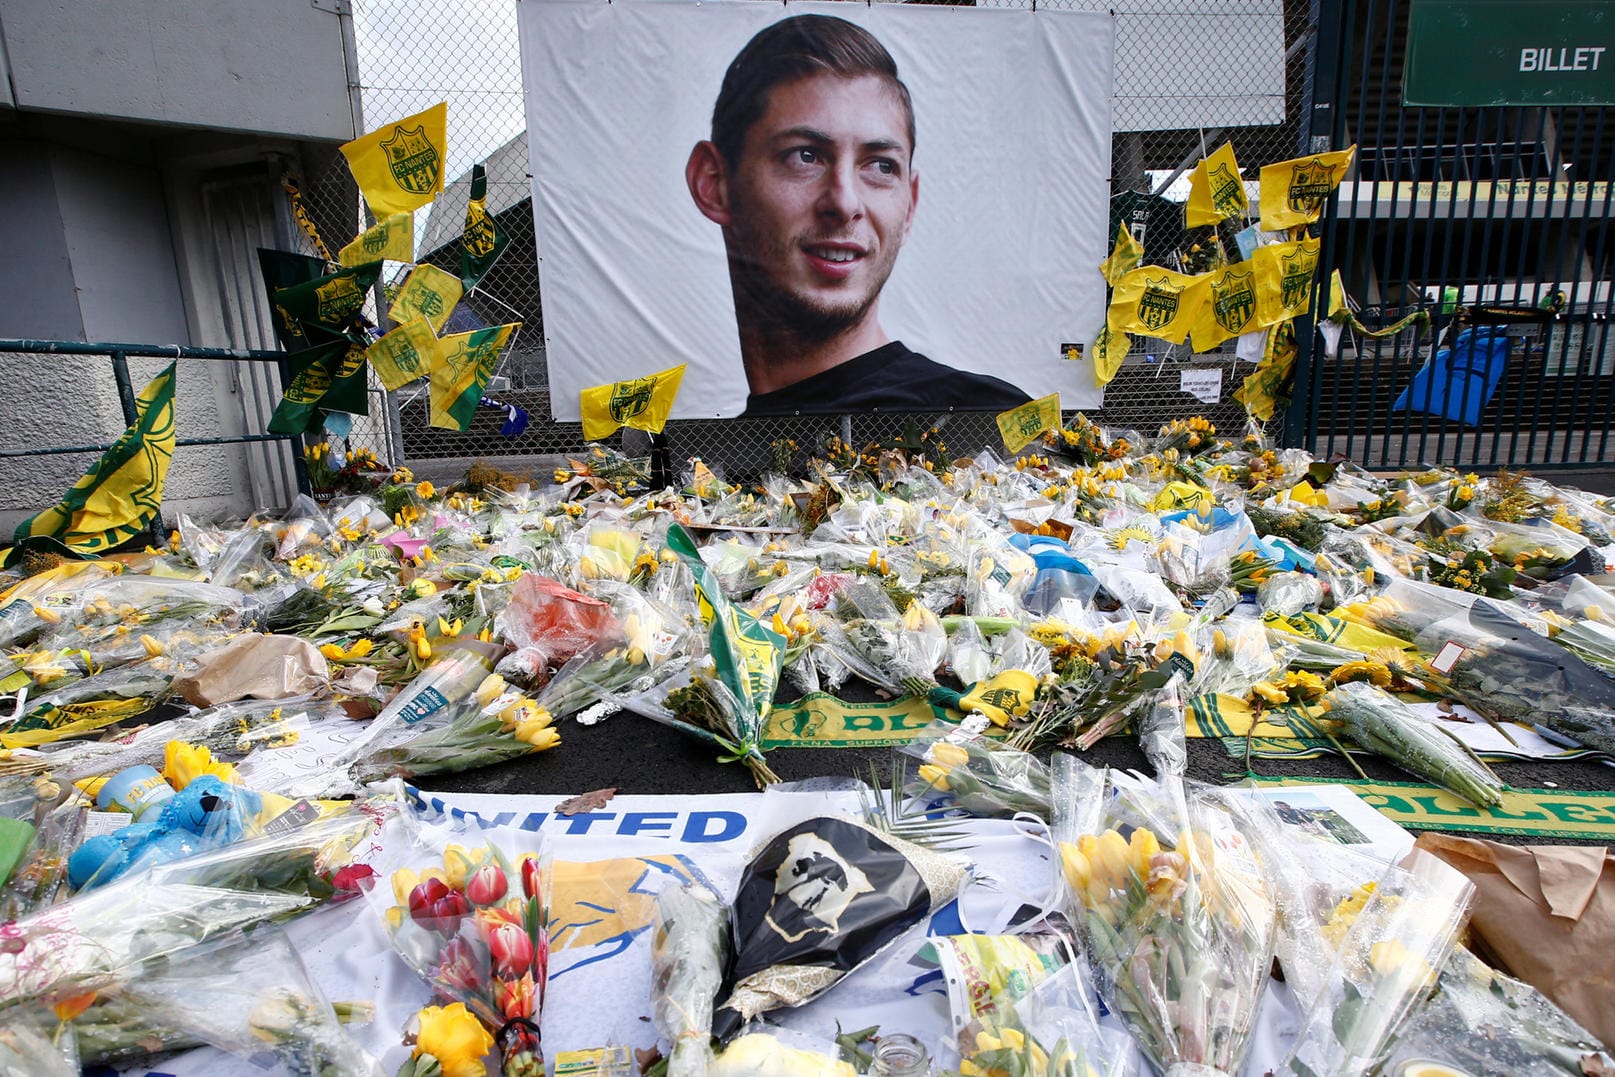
x: 1012, y: 113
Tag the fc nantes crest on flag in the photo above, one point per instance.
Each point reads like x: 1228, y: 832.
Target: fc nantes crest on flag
x: 1155, y: 302
x: 482, y: 241
x: 332, y: 301
x: 399, y: 168
x: 429, y: 293
x: 1215, y: 190
x: 119, y: 497
x: 642, y: 403
x: 1284, y: 279
x: 1124, y: 256
x: 1230, y: 306
x: 329, y: 376
x: 465, y: 363
x: 392, y: 238
x: 406, y: 353
x: 1020, y: 426
x: 1293, y: 192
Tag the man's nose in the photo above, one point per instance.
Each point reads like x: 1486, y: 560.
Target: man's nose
x: 841, y: 196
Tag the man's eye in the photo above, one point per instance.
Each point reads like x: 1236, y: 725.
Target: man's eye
x: 804, y: 155
x: 885, y: 166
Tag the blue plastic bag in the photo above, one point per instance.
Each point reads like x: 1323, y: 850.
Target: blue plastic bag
x: 1459, y: 382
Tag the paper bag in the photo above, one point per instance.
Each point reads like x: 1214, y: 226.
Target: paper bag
x: 255, y: 666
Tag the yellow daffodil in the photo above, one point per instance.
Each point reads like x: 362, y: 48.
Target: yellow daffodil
x: 419, y: 645
x: 335, y: 652
x: 183, y: 763
x: 453, y: 1035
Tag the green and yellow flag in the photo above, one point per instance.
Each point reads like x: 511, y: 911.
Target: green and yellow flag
x: 1230, y: 307
x: 429, y: 293
x: 406, y: 353
x: 1266, y: 388
x: 392, y: 238
x: 482, y: 241
x: 1284, y: 273
x: 1110, y: 347
x: 465, y: 362
x: 121, y: 494
x: 329, y: 376
x: 1020, y: 426
x: 399, y: 167
x: 1156, y: 302
x: 1124, y: 256
x: 331, y: 301
x: 1215, y: 190
x: 283, y: 269
x: 1293, y: 192
x: 642, y: 403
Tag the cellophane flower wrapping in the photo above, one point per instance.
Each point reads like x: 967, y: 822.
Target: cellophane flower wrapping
x: 896, y: 651
x: 1173, y: 908
x: 466, y: 906
x: 1396, y: 939
x: 956, y: 768
x: 688, y: 953
x: 249, y: 994
x: 29, y: 1048
x: 546, y: 624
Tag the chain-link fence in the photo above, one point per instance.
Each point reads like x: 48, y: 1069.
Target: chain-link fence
x: 1190, y: 76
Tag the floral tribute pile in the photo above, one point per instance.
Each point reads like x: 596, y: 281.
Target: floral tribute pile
x: 1104, y: 583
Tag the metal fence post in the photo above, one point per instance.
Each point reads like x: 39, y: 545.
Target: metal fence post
x: 126, y: 390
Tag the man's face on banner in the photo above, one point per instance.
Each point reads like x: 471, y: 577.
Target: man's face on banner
x: 821, y: 201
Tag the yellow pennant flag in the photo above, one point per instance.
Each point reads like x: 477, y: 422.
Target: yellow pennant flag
x: 642, y: 403
x: 1020, y: 426
x: 1215, y: 190
x: 464, y: 363
x: 1230, y: 307
x: 1110, y: 347
x: 1156, y: 302
x: 392, y: 238
x: 406, y: 353
x: 399, y: 167
x: 119, y: 496
x: 1293, y: 192
x: 429, y: 293
x: 1339, y: 309
x: 1284, y: 273
x: 1124, y: 256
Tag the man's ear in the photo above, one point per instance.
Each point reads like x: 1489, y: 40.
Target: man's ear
x: 708, y: 182
x: 913, y: 201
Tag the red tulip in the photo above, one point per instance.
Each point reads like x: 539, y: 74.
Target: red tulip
x: 486, y: 885
x: 353, y: 879
x: 458, y: 967
x: 531, y: 877
x: 511, y: 949
x: 437, y: 908
x: 516, y: 998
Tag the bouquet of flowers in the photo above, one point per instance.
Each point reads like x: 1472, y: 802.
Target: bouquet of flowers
x: 1173, y: 909
x: 977, y: 775
x: 1386, y: 726
x: 687, y: 959
x: 473, y: 923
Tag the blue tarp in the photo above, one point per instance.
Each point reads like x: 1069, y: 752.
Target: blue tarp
x: 1459, y: 382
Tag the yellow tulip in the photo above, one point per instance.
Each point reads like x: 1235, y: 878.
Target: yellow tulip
x: 453, y: 1035
x: 1143, y: 846
x: 459, y: 863
x: 491, y: 688
x: 1078, y: 870
x: 948, y: 755
x: 936, y: 776
x: 986, y: 1041
x: 540, y: 737
x: 1012, y: 1037
x: 1111, y: 860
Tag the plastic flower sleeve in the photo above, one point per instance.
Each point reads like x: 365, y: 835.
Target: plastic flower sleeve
x: 27, y: 1048
x: 818, y: 900
x: 547, y: 624
x: 1060, y: 1016
x: 1387, y: 962
x: 1173, y: 909
x: 977, y: 775
x: 1160, y: 729
x: 687, y: 959
x: 1385, y: 725
x: 250, y: 995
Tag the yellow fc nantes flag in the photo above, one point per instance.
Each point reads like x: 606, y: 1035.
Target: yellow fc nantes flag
x: 642, y: 403
x: 406, y: 353
x: 1021, y: 426
x: 1293, y: 192
x: 399, y: 167
x: 1215, y: 190
x: 429, y: 293
x: 121, y: 494
x: 465, y: 362
x: 1230, y: 306
x: 392, y: 238
x: 1156, y: 302
x: 1284, y: 274
x: 1265, y: 387
x: 1110, y: 347
x: 1124, y: 256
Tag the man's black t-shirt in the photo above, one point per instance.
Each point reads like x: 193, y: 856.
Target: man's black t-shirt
x: 890, y: 378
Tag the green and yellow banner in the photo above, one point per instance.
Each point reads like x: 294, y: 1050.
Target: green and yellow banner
x: 391, y: 238
x: 640, y: 403
x: 328, y: 376
x: 332, y: 301
x: 1293, y: 192
x: 465, y: 362
x: 1548, y: 813
x: 1215, y: 190
x: 430, y: 293
x: 404, y: 354
x: 482, y: 241
x: 399, y: 167
x: 1021, y: 426
x: 122, y: 492
x: 1109, y: 348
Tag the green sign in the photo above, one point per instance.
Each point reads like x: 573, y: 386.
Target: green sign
x: 1473, y: 53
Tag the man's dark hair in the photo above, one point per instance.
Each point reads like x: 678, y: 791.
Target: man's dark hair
x: 788, y: 50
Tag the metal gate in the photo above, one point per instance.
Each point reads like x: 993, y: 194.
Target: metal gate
x: 1495, y: 221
